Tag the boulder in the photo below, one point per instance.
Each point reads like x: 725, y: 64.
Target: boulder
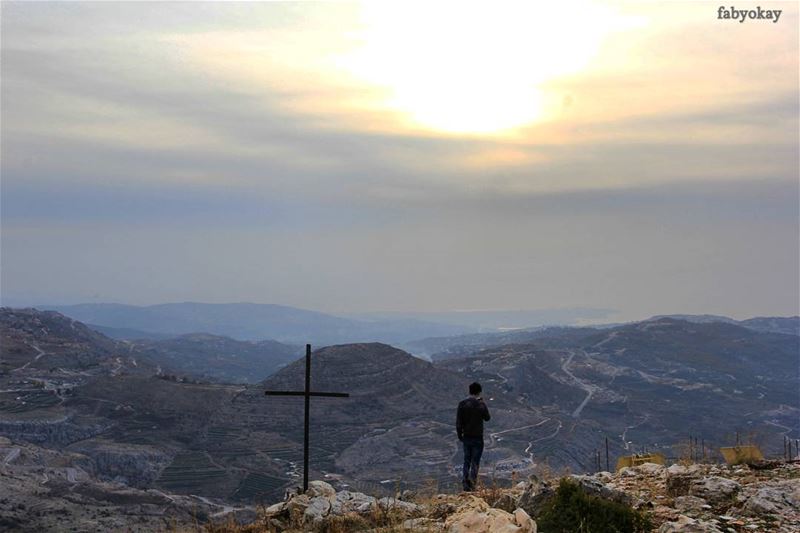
x: 317, y: 510
x: 506, y: 502
x: 421, y: 524
x: 684, y: 524
x: 717, y: 491
x: 395, y: 504
x: 780, y: 498
x: 489, y: 520
x: 297, y: 507
x: 689, y: 503
x: 352, y: 502
x: 522, y: 519
x: 320, y: 488
x: 604, y: 477
x: 593, y: 487
x: 535, y: 495
x: 678, y: 480
x: 650, y: 468
x: 276, y: 509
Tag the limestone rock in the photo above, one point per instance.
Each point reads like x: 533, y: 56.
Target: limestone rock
x: 678, y: 480
x: 352, y: 502
x: 490, y: 520
x: 506, y: 502
x: 776, y: 499
x: 718, y: 491
x: 604, y: 477
x: 297, y: 507
x: 594, y: 487
x: 650, y: 468
x: 689, y: 503
x: 684, y: 524
x: 394, y: 503
x: 316, y: 511
x: 320, y: 488
x: 522, y: 519
x: 534, y: 497
x: 421, y: 524
x: 276, y: 509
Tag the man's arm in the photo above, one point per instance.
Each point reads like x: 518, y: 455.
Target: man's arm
x: 459, y: 425
x: 485, y: 411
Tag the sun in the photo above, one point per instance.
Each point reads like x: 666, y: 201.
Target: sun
x: 473, y: 68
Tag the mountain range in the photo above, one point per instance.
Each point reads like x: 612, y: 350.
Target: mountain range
x: 111, y: 410
x: 248, y: 321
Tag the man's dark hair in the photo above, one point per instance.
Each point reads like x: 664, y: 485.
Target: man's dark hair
x: 475, y: 388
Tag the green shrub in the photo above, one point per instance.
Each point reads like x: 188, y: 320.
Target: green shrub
x: 571, y: 510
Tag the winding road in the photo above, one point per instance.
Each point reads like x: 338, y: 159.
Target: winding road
x: 38, y: 356
x: 590, y: 389
x: 11, y: 456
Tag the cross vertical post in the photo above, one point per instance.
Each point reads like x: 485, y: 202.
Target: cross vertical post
x: 306, y: 422
x: 307, y: 393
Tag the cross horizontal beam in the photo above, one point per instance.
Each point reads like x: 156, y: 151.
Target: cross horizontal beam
x: 303, y: 393
x: 307, y: 394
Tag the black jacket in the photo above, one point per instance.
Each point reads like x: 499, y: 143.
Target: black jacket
x: 470, y: 416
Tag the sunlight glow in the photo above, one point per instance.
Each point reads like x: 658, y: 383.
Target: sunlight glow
x: 474, y: 68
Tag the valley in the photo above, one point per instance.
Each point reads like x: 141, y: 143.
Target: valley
x: 124, y: 413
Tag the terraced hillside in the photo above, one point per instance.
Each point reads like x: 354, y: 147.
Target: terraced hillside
x: 553, y: 401
x: 651, y: 385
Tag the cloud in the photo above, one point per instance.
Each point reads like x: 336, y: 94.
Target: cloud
x: 207, y: 151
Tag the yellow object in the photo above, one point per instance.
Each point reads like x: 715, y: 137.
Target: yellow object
x: 735, y: 455
x: 636, y: 460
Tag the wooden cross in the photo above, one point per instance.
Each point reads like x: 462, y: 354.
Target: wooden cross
x: 307, y: 394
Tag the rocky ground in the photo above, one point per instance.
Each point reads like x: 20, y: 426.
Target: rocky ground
x: 47, y: 490
x: 694, y: 498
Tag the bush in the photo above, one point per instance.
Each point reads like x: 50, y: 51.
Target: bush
x: 573, y: 511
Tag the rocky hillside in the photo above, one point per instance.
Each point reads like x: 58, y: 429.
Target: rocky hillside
x: 46, y: 339
x: 47, y: 490
x: 693, y: 498
x: 650, y: 385
x: 440, y: 348
x: 399, y: 417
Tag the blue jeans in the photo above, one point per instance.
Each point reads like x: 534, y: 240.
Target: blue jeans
x: 473, y: 449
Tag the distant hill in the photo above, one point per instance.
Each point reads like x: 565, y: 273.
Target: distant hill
x: 773, y: 324
x: 398, y: 419
x: 248, y: 321
x: 128, y: 334
x: 650, y: 384
x: 488, y: 320
x: 440, y: 348
x: 219, y: 358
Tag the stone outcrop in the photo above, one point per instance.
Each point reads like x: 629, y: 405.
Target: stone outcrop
x: 59, y: 432
x: 718, y: 491
x: 684, y: 524
x: 130, y: 464
x: 321, y: 503
x: 475, y: 516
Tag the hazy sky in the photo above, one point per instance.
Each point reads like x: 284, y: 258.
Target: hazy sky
x: 398, y: 157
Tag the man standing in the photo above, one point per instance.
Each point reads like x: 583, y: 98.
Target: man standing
x: 469, y: 427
